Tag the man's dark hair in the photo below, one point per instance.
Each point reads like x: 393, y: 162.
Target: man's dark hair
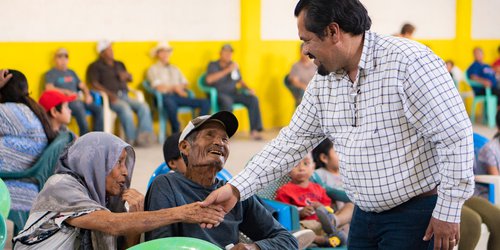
x: 351, y: 16
x: 407, y: 29
x: 322, y: 148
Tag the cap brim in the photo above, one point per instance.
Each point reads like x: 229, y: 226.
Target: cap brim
x: 70, y: 98
x: 228, y: 119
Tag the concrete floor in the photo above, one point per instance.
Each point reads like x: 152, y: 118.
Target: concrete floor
x: 241, y: 150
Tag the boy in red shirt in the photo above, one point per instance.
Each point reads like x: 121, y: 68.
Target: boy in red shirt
x: 312, y: 202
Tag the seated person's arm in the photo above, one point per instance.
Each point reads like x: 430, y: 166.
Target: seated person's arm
x: 156, y: 83
x: 213, y: 74
x: 138, y: 222
x: 492, y: 170
x: 86, y: 92
x: 485, y: 82
x: 51, y: 86
x: 259, y: 224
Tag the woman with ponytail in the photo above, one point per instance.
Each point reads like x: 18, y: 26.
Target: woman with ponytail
x: 24, y: 134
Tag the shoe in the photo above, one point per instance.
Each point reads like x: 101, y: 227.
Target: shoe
x: 328, y: 221
x: 304, y: 237
x: 145, y: 139
x: 255, y: 135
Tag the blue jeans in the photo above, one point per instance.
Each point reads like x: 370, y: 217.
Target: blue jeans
x: 250, y: 101
x: 79, y: 111
x: 402, y: 227
x: 124, y: 108
x: 171, y: 102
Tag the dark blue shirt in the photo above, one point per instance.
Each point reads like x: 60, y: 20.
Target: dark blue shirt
x: 484, y: 71
x: 248, y: 216
x: 63, y: 79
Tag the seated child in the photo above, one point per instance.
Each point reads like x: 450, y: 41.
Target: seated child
x: 55, y: 104
x: 313, y: 204
x: 327, y: 174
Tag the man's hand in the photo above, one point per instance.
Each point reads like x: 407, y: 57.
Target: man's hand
x: 446, y: 234
x: 226, y: 196
x: 195, y: 213
x: 4, y: 77
x: 180, y: 91
x: 88, y: 99
x: 306, y: 211
x: 135, y: 200
x: 241, y: 246
x: 125, y: 76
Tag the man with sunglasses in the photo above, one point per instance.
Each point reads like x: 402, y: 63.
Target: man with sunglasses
x: 66, y: 81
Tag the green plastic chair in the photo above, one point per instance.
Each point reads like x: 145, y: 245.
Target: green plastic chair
x: 40, y: 172
x: 176, y: 243
x: 489, y: 100
x: 4, y: 200
x: 159, y: 107
x: 3, y: 231
x: 212, y: 95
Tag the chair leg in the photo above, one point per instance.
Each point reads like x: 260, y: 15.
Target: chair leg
x: 491, y: 110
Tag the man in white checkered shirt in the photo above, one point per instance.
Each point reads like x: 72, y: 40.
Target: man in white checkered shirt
x: 396, y: 120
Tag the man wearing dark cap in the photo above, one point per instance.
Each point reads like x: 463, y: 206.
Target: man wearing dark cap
x: 224, y: 75
x: 204, y: 147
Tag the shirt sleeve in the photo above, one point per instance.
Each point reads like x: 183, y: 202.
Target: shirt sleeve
x: 159, y: 197
x: 92, y: 73
x: 284, y: 152
x: 263, y: 229
x: 212, y: 68
x: 433, y: 105
x: 282, y: 196
x: 473, y: 70
x: 153, y: 76
x: 77, y: 79
x: 50, y: 77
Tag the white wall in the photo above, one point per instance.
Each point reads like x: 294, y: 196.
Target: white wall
x: 486, y: 19
x: 434, y: 19
x: 125, y: 20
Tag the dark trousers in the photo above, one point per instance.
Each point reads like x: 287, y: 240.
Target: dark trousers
x: 79, y: 111
x: 402, y: 227
x: 171, y: 102
x: 249, y: 101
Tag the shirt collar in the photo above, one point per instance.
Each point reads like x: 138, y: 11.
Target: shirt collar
x: 366, y: 60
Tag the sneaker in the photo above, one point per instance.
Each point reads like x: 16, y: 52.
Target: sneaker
x: 304, y: 237
x: 329, y: 225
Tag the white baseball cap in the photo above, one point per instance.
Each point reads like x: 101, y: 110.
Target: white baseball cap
x: 102, y: 45
x: 226, y: 118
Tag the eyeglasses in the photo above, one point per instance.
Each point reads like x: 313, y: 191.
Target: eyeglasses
x: 353, y: 95
x: 62, y: 55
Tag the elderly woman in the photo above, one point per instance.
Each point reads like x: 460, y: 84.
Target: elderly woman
x: 83, y: 204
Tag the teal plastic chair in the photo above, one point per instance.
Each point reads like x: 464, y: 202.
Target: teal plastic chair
x: 4, y: 199
x: 212, y: 95
x: 3, y: 231
x: 40, y: 172
x: 161, y: 113
x: 489, y: 100
x: 176, y: 243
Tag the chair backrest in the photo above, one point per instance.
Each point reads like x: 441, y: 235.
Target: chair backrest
x: 4, y: 200
x: 182, y: 243
x: 472, y: 83
x: 44, y: 166
x: 479, y: 142
x: 3, y: 231
x: 269, y: 192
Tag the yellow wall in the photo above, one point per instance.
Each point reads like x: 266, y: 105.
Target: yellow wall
x: 263, y: 63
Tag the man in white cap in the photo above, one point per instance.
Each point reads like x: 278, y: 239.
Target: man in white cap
x: 108, y: 75
x: 204, y: 146
x: 66, y: 81
x: 169, y: 80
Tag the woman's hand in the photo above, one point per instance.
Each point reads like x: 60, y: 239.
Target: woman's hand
x: 135, y: 200
x: 4, y: 77
x: 195, y: 213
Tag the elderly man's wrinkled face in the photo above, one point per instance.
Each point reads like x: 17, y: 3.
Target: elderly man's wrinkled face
x: 116, y: 181
x: 210, y: 147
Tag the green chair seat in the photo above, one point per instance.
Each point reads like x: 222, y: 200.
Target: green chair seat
x: 3, y: 231
x: 4, y: 199
x: 177, y: 243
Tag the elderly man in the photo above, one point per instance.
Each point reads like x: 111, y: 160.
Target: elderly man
x: 224, y: 74
x: 108, y: 75
x: 204, y: 146
x: 66, y: 81
x: 169, y: 80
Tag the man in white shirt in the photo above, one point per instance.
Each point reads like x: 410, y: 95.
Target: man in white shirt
x: 396, y: 120
x: 169, y: 80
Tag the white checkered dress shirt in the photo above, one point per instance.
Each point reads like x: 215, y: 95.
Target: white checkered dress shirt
x: 412, y: 131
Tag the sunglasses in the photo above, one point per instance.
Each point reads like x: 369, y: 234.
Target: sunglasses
x: 62, y: 55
